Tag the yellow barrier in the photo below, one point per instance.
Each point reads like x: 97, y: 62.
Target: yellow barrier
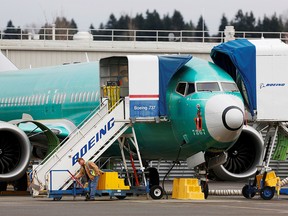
x: 187, y: 188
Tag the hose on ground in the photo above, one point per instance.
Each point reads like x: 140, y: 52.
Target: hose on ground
x: 284, y: 182
x: 229, y: 192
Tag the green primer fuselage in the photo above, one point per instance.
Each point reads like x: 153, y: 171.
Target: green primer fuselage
x: 71, y: 92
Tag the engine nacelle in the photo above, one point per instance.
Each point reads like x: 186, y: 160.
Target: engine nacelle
x: 243, y: 156
x: 15, y: 152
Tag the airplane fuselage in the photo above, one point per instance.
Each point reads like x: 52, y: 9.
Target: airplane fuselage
x: 205, y: 109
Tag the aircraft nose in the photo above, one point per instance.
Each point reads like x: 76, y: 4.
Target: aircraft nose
x: 232, y: 118
x: 224, y: 116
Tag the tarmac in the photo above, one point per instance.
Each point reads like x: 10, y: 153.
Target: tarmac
x: 141, y: 205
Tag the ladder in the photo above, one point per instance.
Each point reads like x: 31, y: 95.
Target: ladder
x: 89, y: 141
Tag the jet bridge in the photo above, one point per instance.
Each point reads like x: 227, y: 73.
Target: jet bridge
x: 259, y: 69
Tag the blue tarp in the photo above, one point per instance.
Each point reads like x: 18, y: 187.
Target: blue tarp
x: 168, y: 66
x: 239, y: 56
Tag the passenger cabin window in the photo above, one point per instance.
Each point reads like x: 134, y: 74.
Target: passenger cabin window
x: 207, y: 86
x: 232, y: 87
x: 181, y: 88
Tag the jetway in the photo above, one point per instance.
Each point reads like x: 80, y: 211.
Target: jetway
x: 259, y: 69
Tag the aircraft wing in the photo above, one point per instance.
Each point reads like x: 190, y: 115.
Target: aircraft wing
x: 6, y: 64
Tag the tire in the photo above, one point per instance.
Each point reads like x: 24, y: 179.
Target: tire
x: 21, y: 184
x: 87, y: 196
x: 156, y: 192
x: 248, y: 191
x: 57, y: 198
x: 121, y: 197
x: 205, y: 188
x: 267, y: 193
x: 153, y: 176
x: 3, y: 186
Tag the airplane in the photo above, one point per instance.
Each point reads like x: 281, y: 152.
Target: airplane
x: 205, y: 118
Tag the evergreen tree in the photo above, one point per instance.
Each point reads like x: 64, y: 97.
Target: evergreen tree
x: 153, y: 21
x: 177, y: 21
x: 244, y: 22
x: 11, y: 32
x: 167, y: 22
x: 64, y: 29
x: 201, y: 23
x: 139, y: 24
x: 223, y: 23
x: 112, y: 22
x: 273, y: 24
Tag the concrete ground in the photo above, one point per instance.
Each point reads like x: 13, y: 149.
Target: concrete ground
x: 214, y: 205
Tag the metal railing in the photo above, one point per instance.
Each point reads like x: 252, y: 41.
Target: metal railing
x: 129, y: 35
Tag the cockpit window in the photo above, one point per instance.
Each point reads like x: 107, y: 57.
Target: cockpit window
x: 232, y: 87
x: 185, y: 89
x: 181, y: 88
x: 207, y: 86
x: 191, y: 88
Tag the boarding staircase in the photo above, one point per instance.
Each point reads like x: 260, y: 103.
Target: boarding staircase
x: 89, y: 141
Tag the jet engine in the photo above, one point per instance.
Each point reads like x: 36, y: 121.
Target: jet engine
x: 243, y: 156
x: 15, y: 152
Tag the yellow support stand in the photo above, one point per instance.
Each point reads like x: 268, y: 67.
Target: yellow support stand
x: 187, y: 188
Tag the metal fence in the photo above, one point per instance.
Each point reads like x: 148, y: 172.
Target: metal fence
x: 131, y: 35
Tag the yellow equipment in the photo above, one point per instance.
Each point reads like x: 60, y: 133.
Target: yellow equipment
x: 112, y: 93
x: 266, y: 183
x: 187, y: 188
x: 110, y: 181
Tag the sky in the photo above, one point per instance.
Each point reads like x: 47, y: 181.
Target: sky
x: 85, y: 12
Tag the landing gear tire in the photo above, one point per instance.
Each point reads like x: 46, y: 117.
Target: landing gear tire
x: 21, y: 184
x: 87, y: 196
x: 248, y: 192
x: 57, y: 198
x: 267, y: 193
x: 153, y: 176
x: 121, y: 197
x: 156, y: 192
x: 205, y: 188
x: 3, y: 186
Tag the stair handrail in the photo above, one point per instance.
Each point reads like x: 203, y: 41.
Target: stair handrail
x: 82, y: 124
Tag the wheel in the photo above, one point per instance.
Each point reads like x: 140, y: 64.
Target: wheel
x: 120, y: 197
x: 87, y: 196
x: 21, y: 184
x: 205, y: 188
x: 156, y: 192
x: 248, y: 191
x: 153, y: 176
x: 57, y: 198
x: 267, y: 193
x: 3, y: 186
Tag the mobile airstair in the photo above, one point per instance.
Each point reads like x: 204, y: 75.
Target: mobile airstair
x: 89, y: 141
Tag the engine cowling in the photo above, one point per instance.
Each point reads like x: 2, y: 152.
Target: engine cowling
x: 15, y: 152
x: 243, y: 156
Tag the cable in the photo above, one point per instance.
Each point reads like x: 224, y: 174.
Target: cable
x: 176, y: 161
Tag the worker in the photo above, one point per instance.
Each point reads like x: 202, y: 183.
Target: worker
x: 92, y: 172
